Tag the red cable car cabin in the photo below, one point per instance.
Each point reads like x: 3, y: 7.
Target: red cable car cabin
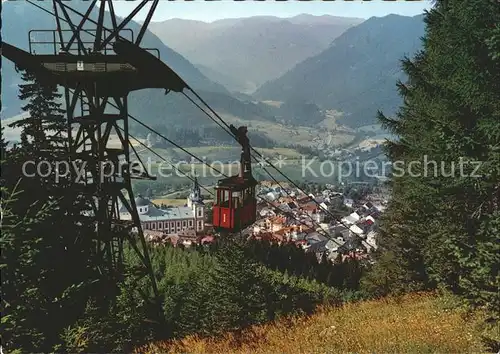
x: 236, y: 206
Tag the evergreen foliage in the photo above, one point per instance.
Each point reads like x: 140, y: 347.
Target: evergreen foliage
x: 290, y: 259
x: 206, y: 291
x: 48, y: 267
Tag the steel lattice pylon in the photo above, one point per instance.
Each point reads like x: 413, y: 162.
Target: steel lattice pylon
x: 108, y: 171
x: 97, y: 80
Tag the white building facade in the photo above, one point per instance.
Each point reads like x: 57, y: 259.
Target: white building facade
x: 171, y: 220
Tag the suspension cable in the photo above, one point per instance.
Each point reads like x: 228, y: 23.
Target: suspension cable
x: 313, y: 221
x: 165, y: 138
x: 169, y: 162
x: 211, y: 193
x: 219, y: 124
x: 271, y: 164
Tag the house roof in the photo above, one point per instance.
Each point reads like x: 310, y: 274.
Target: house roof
x: 352, y: 218
x: 173, y: 239
x: 348, y: 246
x: 318, y: 246
x: 236, y: 183
x: 368, y: 222
x: 265, y: 211
x: 152, y: 233
x: 315, y: 237
x: 324, y: 206
x: 141, y: 201
x: 304, y: 199
x: 284, y: 208
x: 370, y: 217
x: 207, y: 239
x: 286, y: 199
x: 301, y: 235
x: 367, y: 245
x: 267, y: 236
x: 187, y: 234
x: 309, y: 207
x: 319, y: 200
x: 283, y: 230
x: 356, y: 229
x: 167, y: 214
x: 331, y: 244
x: 277, y: 219
x: 340, y: 229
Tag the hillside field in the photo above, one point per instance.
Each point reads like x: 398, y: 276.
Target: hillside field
x: 417, y: 323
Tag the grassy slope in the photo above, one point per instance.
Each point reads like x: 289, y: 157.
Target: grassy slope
x: 418, y: 323
x: 280, y: 133
x: 287, y: 134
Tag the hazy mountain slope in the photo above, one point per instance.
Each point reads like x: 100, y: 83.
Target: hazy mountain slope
x: 149, y: 105
x: 231, y: 83
x: 251, y: 51
x: 357, y: 73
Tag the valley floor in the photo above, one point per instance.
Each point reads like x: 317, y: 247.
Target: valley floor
x: 418, y: 323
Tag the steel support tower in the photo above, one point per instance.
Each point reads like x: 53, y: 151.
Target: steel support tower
x: 98, y: 67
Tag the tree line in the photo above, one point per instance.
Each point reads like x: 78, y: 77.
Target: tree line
x: 207, y: 135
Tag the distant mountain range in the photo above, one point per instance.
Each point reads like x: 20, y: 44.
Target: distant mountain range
x: 244, y: 53
x: 152, y: 106
x: 313, y: 64
x: 357, y: 73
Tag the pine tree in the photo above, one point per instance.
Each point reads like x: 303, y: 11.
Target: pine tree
x: 438, y: 228
x: 50, y: 267
x: 44, y: 129
x: 238, y: 286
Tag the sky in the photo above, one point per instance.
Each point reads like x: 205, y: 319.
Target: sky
x: 209, y: 11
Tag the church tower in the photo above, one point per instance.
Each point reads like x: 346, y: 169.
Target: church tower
x: 195, y: 202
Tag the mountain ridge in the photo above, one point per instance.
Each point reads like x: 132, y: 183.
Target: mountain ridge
x: 250, y: 51
x: 149, y: 105
x: 357, y: 73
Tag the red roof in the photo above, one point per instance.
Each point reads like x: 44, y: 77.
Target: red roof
x: 269, y: 236
x: 309, y: 207
x: 207, y: 239
x: 304, y: 199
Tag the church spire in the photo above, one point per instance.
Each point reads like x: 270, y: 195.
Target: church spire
x: 195, y: 196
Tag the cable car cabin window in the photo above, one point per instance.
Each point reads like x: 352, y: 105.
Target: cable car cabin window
x: 247, y: 195
x: 223, y: 197
x: 236, y: 200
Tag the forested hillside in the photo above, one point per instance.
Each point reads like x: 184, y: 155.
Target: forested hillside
x: 356, y: 73
x: 442, y: 226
